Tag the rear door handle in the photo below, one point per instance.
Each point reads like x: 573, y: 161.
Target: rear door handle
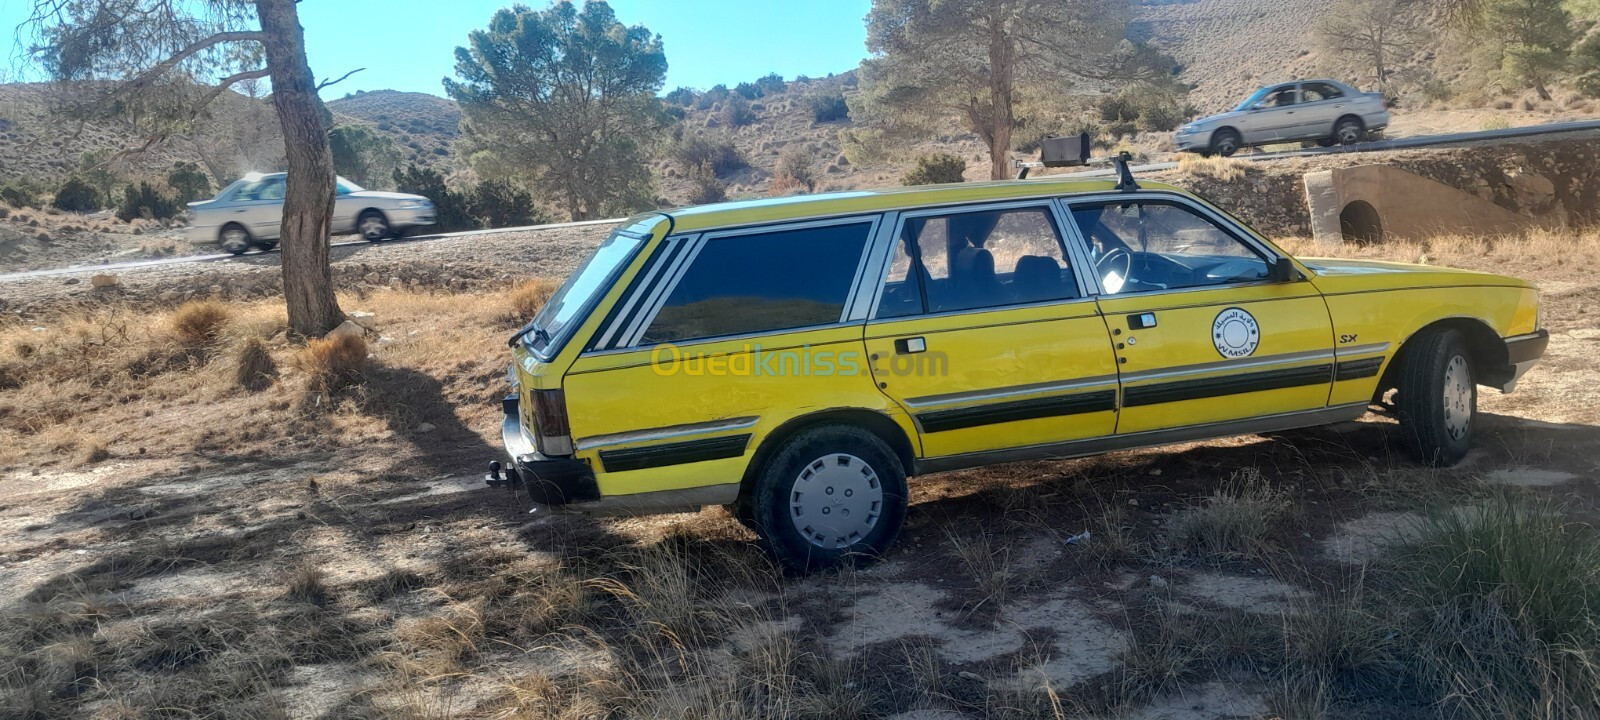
x: 1140, y: 321
x: 910, y: 346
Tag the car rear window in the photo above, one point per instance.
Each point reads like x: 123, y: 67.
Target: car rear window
x: 761, y: 282
x: 576, y: 297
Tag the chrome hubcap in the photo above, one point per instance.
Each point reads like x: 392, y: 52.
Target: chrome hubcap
x: 836, y: 501
x: 373, y: 228
x: 1348, y: 134
x: 234, y: 239
x: 1457, y: 397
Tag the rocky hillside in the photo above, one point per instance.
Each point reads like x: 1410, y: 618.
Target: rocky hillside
x: 423, y: 126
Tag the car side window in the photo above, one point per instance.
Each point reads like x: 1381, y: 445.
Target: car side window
x: 1317, y: 92
x: 271, y: 190
x: 762, y: 282
x: 976, y: 260
x: 1281, y: 96
x: 1152, y: 246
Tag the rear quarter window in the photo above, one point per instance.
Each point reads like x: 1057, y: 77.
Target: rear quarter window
x: 762, y: 282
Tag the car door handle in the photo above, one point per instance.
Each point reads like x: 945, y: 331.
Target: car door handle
x: 910, y: 346
x: 1140, y: 321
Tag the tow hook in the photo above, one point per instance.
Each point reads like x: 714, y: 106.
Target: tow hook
x: 501, y: 476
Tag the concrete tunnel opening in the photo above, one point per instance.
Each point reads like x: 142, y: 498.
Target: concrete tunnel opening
x: 1359, y: 223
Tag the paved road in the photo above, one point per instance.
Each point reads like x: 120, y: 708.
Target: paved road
x: 1375, y: 146
x: 132, y: 264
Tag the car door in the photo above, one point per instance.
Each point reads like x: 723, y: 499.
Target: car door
x: 262, y: 207
x: 984, y: 332
x: 1273, y: 117
x: 1320, y: 105
x: 1201, y: 334
x: 345, y: 207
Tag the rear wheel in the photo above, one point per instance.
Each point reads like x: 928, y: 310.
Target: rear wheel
x: 373, y: 226
x: 1347, y: 131
x: 1225, y: 142
x: 831, y: 495
x: 234, y: 239
x: 1438, y: 398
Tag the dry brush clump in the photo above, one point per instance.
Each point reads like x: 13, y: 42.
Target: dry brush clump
x: 254, y: 368
x: 332, y: 363
x: 528, y: 297
x: 1215, y: 167
x: 1234, y: 522
x: 199, y: 323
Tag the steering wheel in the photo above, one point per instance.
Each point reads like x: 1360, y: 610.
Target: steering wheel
x: 1109, y: 262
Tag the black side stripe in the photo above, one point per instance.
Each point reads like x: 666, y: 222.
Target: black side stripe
x: 1076, y: 404
x: 1356, y: 369
x: 1226, y: 385
x: 678, y: 453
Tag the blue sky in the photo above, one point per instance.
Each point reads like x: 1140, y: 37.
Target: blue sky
x: 410, y: 44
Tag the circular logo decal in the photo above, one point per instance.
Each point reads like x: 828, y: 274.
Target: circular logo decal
x: 1235, y: 333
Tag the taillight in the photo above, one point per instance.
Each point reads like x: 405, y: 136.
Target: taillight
x: 550, y: 424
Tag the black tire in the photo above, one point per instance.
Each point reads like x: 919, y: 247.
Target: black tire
x: 1225, y: 142
x: 1325, y: 142
x: 1438, y: 398
x: 1348, y: 131
x: 234, y: 238
x: 373, y: 226
x: 826, y: 457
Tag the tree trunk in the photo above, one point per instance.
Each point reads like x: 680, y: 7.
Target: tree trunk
x: 308, y: 197
x: 1001, y: 69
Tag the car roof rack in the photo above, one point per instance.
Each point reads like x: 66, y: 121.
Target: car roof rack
x: 1073, y: 151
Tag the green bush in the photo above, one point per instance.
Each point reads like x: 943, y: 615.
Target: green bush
x: 828, y: 107
x: 1148, y: 105
x: 682, y: 97
x: 794, y: 173
x: 707, y: 187
x: 771, y: 83
x: 748, y: 91
x: 452, y: 209
x: 936, y: 168
x: 17, y: 196
x: 189, y: 181
x: 498, y: 203
x: 699, y: 151
x: 736, y: 111
x: 711, y: 97
x: 76, y: 195
x: 145, y: 201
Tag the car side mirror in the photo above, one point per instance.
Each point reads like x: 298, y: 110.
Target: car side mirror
x: 1282, y: 270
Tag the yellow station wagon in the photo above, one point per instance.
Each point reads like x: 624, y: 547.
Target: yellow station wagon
x: 796, y: 359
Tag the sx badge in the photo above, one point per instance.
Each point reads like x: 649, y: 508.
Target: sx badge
x: 1235, y: 333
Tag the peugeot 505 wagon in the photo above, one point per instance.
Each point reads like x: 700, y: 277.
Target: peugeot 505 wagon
x: 797, y: 359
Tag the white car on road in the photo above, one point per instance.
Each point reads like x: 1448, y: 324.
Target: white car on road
x: 1327, y: 111
x: 249, y: 213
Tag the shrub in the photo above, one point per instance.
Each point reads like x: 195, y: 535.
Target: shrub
x: 771, y: 83
x: 451, y: 208
x: 682, y: 96
x: 1148, y: 105
x: 144, y: 201
x: 189, y: 181
x: 1234, y: 522
x: 332, y: 363
x: 699, y: 151
x: 76, y: 195
x: 747, y: 91
x: 736, y: 112
x: 254, y: 368
x: 707, y: 188
x: 794, y: 173
x: 498, y: 203
x: 199, y: 322
x: 828, y: 107
x: 18, y: 197
x: 936, y: 168
x: 711, y: 97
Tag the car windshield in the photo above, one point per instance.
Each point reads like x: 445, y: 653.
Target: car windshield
x: 576, y: 298
x: 1254, y: 98
x: 345, y: 187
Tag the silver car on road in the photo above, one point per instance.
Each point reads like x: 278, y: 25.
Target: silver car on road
x: 248, y: 213
x: 1326, y: 111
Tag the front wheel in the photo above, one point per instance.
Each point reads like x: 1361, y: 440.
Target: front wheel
x: 1438, y: 397
x: 1225, y: 142
x: 1347, y: 131
x: 234, y: 239
x: 831, y: 495
x: 373, y: 226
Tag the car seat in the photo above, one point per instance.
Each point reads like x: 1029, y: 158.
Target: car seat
x: 1036, y: 279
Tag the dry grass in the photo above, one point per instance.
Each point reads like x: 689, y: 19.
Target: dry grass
x: 199, y: 322
x: 528, y: 297
x: 1215, y: 167
x: 332, y: 363
x: 1529, y: 253
x: 1234, y: 522
x: 254, y: 368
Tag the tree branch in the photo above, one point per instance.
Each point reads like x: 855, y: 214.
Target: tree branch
x: 327, y: 83
x: 149, y: 76
x: 223, y: 86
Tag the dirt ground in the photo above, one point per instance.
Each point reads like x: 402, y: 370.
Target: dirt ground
x: 178, y: 542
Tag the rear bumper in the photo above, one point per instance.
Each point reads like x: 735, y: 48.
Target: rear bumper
x: 1522, y: 353
x: 568, y: 485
